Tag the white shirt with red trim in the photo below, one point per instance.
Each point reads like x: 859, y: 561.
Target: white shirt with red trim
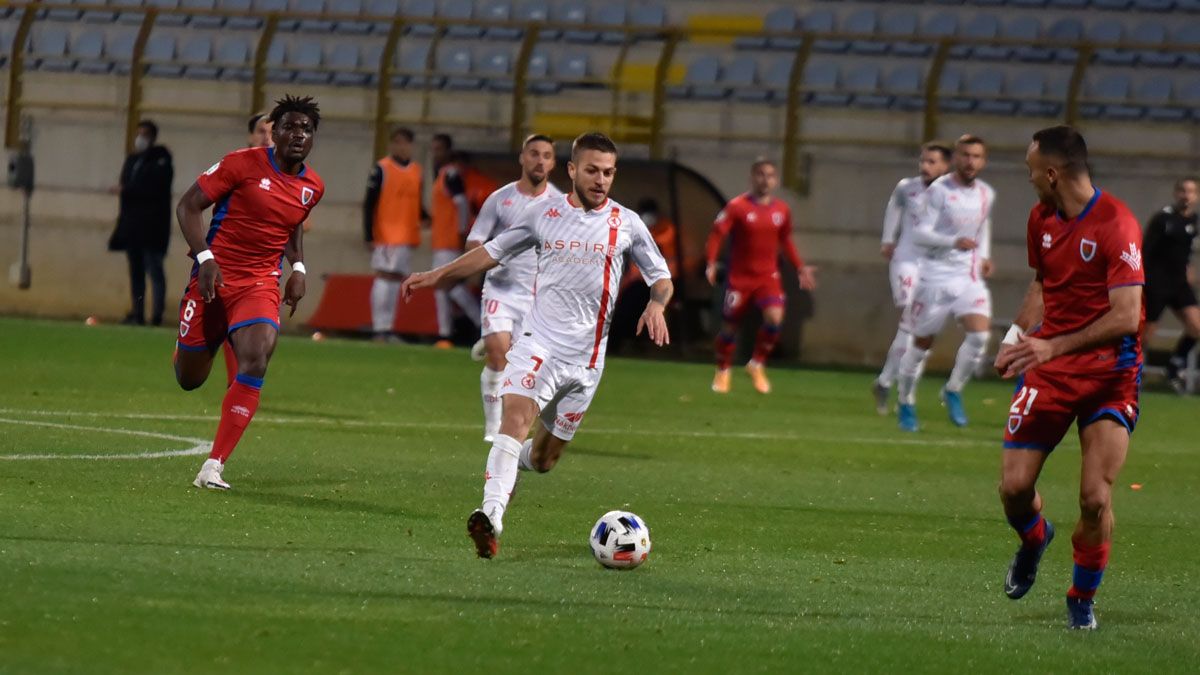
x: 581, y: 257
x: 953, y: 210
x: 499, y: 211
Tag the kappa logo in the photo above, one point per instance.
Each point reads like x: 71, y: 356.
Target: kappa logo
x: 1047, y: 240
x: 265, y: 184
x: 507, y: 382
x: 553, y: 213
x: 506, y: 202
x: 1087, y: 249
x: 306, y: 195
x: 1132, y: 257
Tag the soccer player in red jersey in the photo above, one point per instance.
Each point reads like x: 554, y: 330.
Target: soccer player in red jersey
x: 1076, y: 352
x: 759, y: 226
x: 262, y: 198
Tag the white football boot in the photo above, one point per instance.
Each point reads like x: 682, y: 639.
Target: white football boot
x: 210, y: 476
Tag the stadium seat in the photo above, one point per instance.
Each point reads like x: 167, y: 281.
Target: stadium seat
x: 1028, y: 89
x: 99, y: 15
x: 382, y: 12
x: 455, y: 64
x: 1110, y: 30
x: 196, y: 55
x: 166, y: 17
x: 499, y: 10
x: 950, y: 86
x: 245, y: 20
x: 900, y: 25
x: 496, y: 69
x: 903, y: 83
x: 1027, y: 27
x: 574, y: 12
x: 343, y: 60
x: 778, y: 20
x: 1031, y: 3
x: 821, y: 84
x: 940, y: 25
x: 537, y: 74
x: 606, y: 16
x: 982, y: 27
x: 1062, y: 31
x: 460, y: 10
x: 1155, y: 93
x: 573, y: 68
x: 741, y: 78
x: 348, y: 26
x: 1067, y: 4
x: 1153, y: 32
x: 822, y: 21
x: 48, y: 47
x: 129, y: 12
x: 414, y: 63
x: 987, y: 88
x: 312, y: 7
x: 233, y: 57
x: 118, y: 50
x: 417, y: 10
x: 88, y: 49
x: 986, y: 3
x: 650, y: 19
x: 862, y: 81
x: 864, y: 22
x: 369, y: 56
x: 277, y: 72
x: 1188, y: 35
x: 1188, y: 96
x: 1153, y: 5
x: 61, y: 10
x: 776, y: 78
x: 304, y: 57
x: 201, y: 21
x: 701, y: 80
x: 1108, y: 96
x: 537, y: 11
x: 1116, y: 5
x: 160, y: 56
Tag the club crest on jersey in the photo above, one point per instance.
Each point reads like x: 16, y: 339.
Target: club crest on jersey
x: 777, y: 218
x: 1087, y: 249
x: 306, y: 195
x: 1132, y: 257
x: 614, y: 218
x: 265, y: 184
x: 528, y: 381
x: 1014, y: 423
x: 1047, y: 240
x: 751, y: 217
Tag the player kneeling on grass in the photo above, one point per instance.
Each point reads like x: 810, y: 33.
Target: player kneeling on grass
x: 554, y: 366
x: 262, y: 197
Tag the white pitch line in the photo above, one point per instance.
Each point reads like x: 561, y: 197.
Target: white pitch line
x: 449, y: 426
x: 200, y: 447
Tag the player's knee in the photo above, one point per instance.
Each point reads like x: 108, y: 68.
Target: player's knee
x: 925, y: 343
x: 978, y: 341
x: 1015, y: 490
x: 254, y: 365
x: 497, y: 361
x: 544, y: 459
x: 1093, y: 502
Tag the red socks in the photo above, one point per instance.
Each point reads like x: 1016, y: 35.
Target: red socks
x: 241, y: 401
x: 768, y: 337
x: 724, y: 348
x: 1090, y: 561
x: 231, y: 366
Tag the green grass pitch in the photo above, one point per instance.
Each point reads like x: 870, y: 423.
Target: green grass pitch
x: 797, y: 532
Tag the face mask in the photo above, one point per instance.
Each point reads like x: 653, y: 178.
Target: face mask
x: 141, y: 144
x: 650, y: 219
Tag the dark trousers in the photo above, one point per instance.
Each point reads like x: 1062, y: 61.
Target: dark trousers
x: 144, y: 262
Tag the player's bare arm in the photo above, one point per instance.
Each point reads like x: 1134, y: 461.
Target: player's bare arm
x: 653, y: 319
x: 808, y: 278
x: 294, y: 290
x: 1028, y: 316
x: 472, y: 262
x: 190, y: 212
x: 1123, y: 318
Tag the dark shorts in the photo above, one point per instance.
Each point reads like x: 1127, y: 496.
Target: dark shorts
x: 203, y: 326
x: 763, y: 292
x: 1045, y: 405
x: 1162, y: 295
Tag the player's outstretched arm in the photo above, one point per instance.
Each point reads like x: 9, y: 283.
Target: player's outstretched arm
x: 1028, y: 316
x: 472, y: 262
x: 295, y: 288
x: 653, y: 320
x: 190, y: 212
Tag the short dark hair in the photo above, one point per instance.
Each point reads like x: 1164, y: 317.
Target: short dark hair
x: 252, y: 123
x: 761, y: 162
x: 940, y: 147
x: 446, y: 140
x: 592, y: 140
x: 402, y: 131
x: 537, y: 138
x: 150, y: 127
x: 1187, y: 179
x: 968, y: 139
x: 1065, y: 144
x: 305, y: 105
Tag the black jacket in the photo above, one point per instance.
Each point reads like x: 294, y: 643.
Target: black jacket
x: 144, y: 221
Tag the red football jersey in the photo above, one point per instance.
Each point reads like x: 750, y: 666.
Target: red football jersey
x: 256, y: 209
x: 1078, y: 261
x: 757, y: 233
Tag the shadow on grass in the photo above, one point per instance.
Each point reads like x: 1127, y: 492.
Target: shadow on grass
x: 327, y: 504
x: 596, y: 452
x: 279, y: 548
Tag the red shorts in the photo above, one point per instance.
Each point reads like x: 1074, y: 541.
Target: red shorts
x: 762, y: 291
x: 1045, y: 404
x: 204, y: 325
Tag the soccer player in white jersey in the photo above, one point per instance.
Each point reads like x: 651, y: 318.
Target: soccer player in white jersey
x: 508, y: 290
x: 954, y: 233
x: 904, y: 256
x: 554, y: 367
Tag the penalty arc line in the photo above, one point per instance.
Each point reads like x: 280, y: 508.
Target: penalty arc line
x: 199, y: 447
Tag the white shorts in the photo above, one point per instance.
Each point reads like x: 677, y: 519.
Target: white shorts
x: 903, y: 276
x: 562, y: 391
x: 392, y: 259
x: 444, y: 256
x: 935, y: 301
x: 501, y: 312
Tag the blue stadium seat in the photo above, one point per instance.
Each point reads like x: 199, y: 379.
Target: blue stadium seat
x: 417, y: 10
x: 986, y: 3
x: 99, y: 15
x: 650, y: 19
x: 941, y: 25
x: 537, y: 74
x: 61, y: 10
x: 1110, y: 30
x: 1028, y: 89
x: 574, y: 12
x: 537, y: 11
x: 950, y: 88
x: 496, y: 69
x: 6, y: 44
x: 1153, y: 5
x: 129, y: 12
x: 1030, y: 3
x: 982, y: 27
x: 1155, y: 33
x: 1155, y: 93
x: 1188, y: 96
x: 165, y: 16
x: 741, y: 77
x: 305, y: 58
x: 160, y: 56
x: 499, y: 10
x: 606, y: 16
x: 822, y: 21
x: 821, y: 82
x: 776, y: 78
x: 1068, y: 4
x: 899, y: 26
x: 1108, y: 96
x: 1112, y: 4
x: 573, y: 68
x: 209, y: 21
x: 233, y: 57
x: 1064, y: 31
x: 349, y: 26
x: 862, y: 81
x: 196, y: 55
x: 904, y: 83
x: 987, y: 88
x: 1027, y: 27
x: 865, y: 22
x: 380, y: 14
x: 48, y: 47
x: 88, y: 49
x: 460, y: 10
x: 118, y: 49
x: 778, y: 20
x: 702, y: 78
x: 343, y: 60
x: 455, y: 63
x: 312, y: 7
x: 277, y: 72
x: 245, y: 20
x: 1188, y: 35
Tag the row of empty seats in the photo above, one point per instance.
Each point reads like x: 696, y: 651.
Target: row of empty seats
x: 1108, y: 5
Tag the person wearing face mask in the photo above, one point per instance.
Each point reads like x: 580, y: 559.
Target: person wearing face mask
x: 144, y: 221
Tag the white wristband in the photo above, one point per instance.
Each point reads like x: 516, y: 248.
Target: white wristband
x: 299, y: 267
x: 204, y: 256
x: 1013, y: 336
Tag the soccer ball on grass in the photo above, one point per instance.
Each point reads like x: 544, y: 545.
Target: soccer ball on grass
x: 620, y: 540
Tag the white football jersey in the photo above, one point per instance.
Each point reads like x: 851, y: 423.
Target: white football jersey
x: 499, y: 211
x: 903, y: 210
x: 952, y: 211
x: 580, y: 260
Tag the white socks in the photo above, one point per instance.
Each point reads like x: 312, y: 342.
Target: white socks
x: 384, y: 295
x: 970, y: 354
x: 446, y: 299
x: 887, y: 376
x: 493, y: 406
x: 911, y: 366
x: 525, y: 462
x: 500, y: 478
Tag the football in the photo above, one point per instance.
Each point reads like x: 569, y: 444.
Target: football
x: 620, y: 540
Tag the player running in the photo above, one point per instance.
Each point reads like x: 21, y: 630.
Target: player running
x: 954, y: 231
x: 1076, y: 351
x: 759, y: 226
x: 1169, y: 275
x: 555, y: 365
x: 508, y: 290
x: 262, y: 198
x: 903, y: 209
